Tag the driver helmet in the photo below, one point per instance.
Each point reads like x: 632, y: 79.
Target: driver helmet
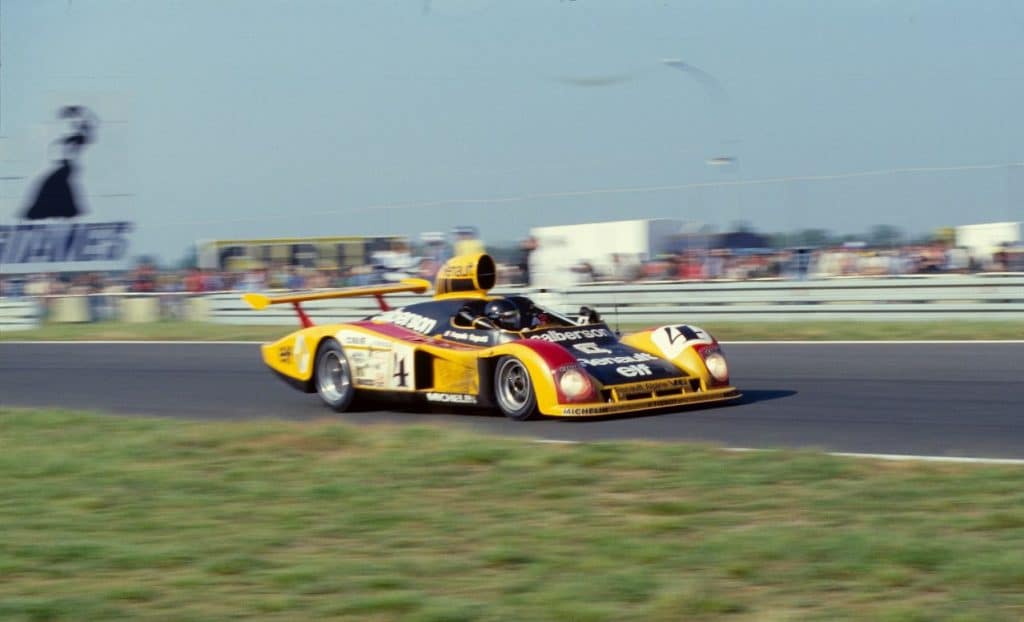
x: 504, y: 314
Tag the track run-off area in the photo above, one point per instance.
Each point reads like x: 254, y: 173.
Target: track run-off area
x: 944, y: 399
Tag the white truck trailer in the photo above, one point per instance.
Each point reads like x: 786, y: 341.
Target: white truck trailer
x: 983, y: 240
x: 609, y: 248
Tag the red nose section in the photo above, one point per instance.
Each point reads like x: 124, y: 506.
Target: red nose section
x: 554, y: 355
x: 558, y: 360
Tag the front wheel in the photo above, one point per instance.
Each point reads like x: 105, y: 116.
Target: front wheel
x: 513, y: 389
x: 333, y: 376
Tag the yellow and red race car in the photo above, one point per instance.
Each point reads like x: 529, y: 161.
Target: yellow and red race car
x: 468, y: 348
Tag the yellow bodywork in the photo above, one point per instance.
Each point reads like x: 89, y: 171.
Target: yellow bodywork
x: 377, y: 362
x: 294, y: 354
x: 457, y: 371
x: 688, y: 360
x: 385, y: 357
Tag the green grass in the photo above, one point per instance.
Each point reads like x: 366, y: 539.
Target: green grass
x: 725, y: 331
x: 106, y: 518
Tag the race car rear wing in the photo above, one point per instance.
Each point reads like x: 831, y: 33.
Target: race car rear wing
x: 262, y: 301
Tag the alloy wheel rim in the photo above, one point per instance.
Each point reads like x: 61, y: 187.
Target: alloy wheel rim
x: 515, y: 385
x: 332, y: 376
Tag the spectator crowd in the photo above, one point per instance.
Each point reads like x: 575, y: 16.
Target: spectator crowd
x: 700, y: 265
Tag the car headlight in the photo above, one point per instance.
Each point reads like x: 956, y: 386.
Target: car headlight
x: 573, y: 383
x: 717, y: 366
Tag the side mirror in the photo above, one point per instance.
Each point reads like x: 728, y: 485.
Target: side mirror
x: 465, y: 316
x: 588, y: 316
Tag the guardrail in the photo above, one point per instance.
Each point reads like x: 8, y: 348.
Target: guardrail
x: 979, y: 297
x: 904, y: 298
x: 18, y: 314
x: 134, y: 308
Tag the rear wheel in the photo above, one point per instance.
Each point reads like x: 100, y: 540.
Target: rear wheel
x: 513, y: 389
x: 333, y: 377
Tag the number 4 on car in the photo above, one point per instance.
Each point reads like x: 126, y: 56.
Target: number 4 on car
x: 466, y: 348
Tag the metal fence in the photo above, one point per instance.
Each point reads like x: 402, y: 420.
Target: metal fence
x: 18, y: 314
x: 29, y: 312
x: 979, y: 297
x: 905, y: 298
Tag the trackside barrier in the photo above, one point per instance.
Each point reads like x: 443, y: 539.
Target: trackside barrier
x: 906, y: 298
x: 918, y: 298
x: 137, y: 308
x: 975, y: 297
x: 18, y: 315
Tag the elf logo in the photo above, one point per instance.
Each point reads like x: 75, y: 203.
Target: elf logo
x: 634, y: 371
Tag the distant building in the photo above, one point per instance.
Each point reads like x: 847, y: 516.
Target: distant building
x: 311, y: 252
x: 742, y: 241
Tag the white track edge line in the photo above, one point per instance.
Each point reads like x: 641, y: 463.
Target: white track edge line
x: 847, y: 454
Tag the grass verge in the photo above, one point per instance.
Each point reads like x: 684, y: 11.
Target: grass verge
x: 116, y: 518
x: 725, y: 331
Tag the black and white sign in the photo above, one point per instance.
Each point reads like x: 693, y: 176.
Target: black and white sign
x: 54, y: 230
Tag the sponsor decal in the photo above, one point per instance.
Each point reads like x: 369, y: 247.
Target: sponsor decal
x: 359, y: 340
x: 662, y: 402
x: 633, y: 371
x: 457, y: 335
x: 589, y: 410
x: 638, y: 357
x: 648, y: 387
x: 300, y: 354
x: 353, y: 339
x: 451, y: 398
x: 590, y: 347
x: 367, y: 368
x: 369, y: 357
x: 408, y: 319
x: 457, y: 271
x: 573, y: 335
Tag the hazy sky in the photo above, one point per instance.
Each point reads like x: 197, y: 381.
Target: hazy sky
x: 258, y: 118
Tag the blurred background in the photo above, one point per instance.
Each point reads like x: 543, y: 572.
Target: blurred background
x: 194, y: 146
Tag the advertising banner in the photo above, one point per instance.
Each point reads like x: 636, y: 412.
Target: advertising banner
x: 50, y: 220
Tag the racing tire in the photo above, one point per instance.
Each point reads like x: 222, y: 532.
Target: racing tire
x: 332, y: 376
x: 513, y: 389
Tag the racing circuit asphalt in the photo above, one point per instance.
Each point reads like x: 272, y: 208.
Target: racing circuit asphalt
x: 942, y: 399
